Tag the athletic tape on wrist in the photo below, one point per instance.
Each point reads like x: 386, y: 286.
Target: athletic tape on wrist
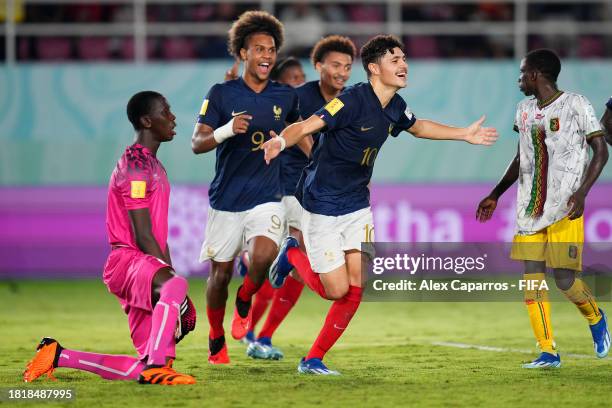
x: 224, y: 132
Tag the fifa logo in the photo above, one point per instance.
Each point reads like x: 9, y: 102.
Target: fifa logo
x: 277, y: 112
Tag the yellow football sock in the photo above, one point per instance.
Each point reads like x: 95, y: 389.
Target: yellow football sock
x: 538, y: 308
x: 580, y: 295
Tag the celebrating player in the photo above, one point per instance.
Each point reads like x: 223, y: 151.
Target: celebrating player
x: 287, y: 71
x: 245, y: 194
x: 332, y: 57
x: 138, y: 270
x: 335, y: 195
x: 552, y: 165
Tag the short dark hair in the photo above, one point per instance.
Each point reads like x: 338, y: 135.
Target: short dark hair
x: 546, y: 61
x: 332, y: 43
x: 376, y: 48
x: 253, y: 22
x: 139, y: 105
x: 282, y: 65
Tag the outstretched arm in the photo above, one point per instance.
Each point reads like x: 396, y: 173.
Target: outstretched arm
x: 600, y: 157
x: 488, y: 204
x: 474, y: 134
x: 290, y: 136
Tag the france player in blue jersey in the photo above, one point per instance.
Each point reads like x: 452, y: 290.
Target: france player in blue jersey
x: 235, y: 119
x: 332, y: 57
x: 606, y: 121
x: 335, y: 194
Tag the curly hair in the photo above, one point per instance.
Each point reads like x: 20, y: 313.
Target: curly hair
x: 332, y: 43
x: 376, y: 48
x: 252, y: 22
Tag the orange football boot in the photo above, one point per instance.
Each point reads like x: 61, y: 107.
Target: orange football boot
x: 45, y: 360
x: 165, y: 375
x: 220, y: 358
x: 240, y: 325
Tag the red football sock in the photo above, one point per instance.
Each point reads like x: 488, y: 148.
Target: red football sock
x: 262, y: 299
x: 300, y: 262
x: 338, y: 318
x: 215, y: 319
x: 284, y: 300
x: 248, y: 289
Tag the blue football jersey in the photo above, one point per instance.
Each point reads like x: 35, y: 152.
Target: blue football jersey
x: 243, y: 180
x: 336, y: 180
x: 293, y: 159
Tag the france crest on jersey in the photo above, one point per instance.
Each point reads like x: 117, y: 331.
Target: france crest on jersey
x: 336, y: 181
x: 243, y: 180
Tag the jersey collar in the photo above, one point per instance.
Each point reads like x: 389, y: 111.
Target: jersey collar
x: 550, y: 100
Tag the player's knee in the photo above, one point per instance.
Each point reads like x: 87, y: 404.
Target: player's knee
x: 564, y: 279
x: 178, y: 284
x: 564, y: 283
x: 220, y: 279
x: 220, y: 275
x: 336, y: 292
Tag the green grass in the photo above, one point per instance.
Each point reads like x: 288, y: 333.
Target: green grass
x: 386, y: 356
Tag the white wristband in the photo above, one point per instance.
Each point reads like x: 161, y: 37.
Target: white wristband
x: 224, y: 132
x: 282, y: 141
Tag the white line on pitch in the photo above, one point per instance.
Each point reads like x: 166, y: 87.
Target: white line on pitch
x: 499, y: 349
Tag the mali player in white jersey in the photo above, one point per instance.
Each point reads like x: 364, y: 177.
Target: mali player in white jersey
x: 555, y: 174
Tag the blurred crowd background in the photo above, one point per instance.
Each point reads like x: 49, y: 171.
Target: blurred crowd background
x: 306, y: 23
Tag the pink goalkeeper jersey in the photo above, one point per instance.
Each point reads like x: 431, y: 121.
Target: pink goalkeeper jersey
x: 138, y: 181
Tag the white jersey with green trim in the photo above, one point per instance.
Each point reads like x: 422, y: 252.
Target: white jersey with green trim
x: 554, y: 156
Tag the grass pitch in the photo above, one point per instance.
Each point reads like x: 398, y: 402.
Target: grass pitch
x: 388, y: 356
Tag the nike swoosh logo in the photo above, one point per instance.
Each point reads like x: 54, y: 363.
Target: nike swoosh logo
x: 283, y: 300
x: 237, y: 113
x: 365, y: 129
x: 339, y: 328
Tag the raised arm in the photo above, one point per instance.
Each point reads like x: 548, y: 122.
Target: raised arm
x: 474, y: 134
x: 487, y: 206
x: 141, y: 225
x: 290, y: 136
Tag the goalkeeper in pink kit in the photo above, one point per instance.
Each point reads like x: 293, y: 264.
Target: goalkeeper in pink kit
x: 138, y: 270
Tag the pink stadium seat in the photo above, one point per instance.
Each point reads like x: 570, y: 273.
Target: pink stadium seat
x: 127, y: 48
x: 177, y: 48
x: 422, y: 47
x: 590, y: 46
x: 53, y: 48
x: 94, y: 48
x: 23, y: 49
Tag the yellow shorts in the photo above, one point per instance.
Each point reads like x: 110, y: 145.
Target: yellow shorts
x: 559, y: 244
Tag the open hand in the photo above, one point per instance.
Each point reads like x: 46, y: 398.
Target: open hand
x: 479, y: 135
x: 271, y: 148
x: 576, y: 205
x: 486, y: 208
